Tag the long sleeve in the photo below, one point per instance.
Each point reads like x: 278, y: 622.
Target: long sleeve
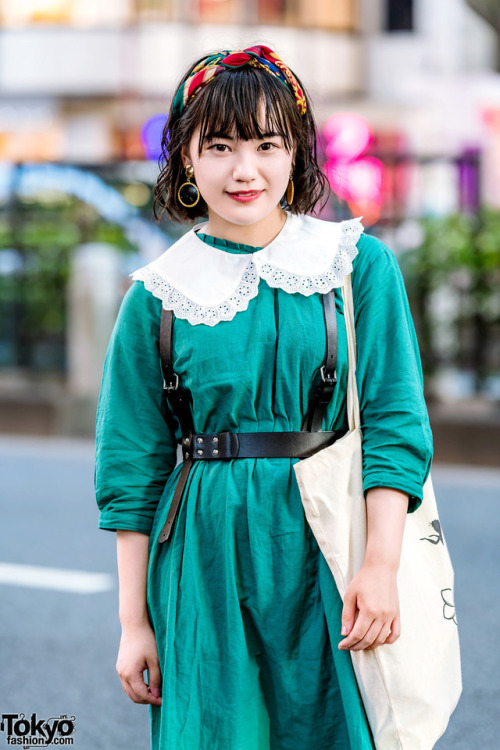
x: 135, y: 448
x: 397, y: 437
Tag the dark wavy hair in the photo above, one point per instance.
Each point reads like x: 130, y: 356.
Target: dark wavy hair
x: 228, y: 106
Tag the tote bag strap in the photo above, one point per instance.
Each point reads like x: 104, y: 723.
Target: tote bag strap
x: 352, y: 388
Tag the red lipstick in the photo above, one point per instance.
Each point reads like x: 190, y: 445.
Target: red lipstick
x: 245, y: 196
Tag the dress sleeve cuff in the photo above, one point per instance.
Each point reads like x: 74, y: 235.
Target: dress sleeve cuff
x: 113, y: 522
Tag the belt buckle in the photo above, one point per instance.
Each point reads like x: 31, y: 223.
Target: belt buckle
x: 326, y: 377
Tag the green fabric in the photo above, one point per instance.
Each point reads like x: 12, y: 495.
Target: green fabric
x: 236, y: 248
x: 244, y: 607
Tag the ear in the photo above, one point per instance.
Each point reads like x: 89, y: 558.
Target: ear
x: 186, y: 158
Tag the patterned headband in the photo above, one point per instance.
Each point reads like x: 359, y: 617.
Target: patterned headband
x: 256, y: 57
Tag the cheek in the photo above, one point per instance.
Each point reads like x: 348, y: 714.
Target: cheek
x: 209, y: 174
x: 280, y: 173
x: 211, y: 184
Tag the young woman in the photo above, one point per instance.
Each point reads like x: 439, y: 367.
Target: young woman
x: 227, y: 604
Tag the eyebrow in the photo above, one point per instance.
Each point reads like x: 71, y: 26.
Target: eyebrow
x: 226, y: 137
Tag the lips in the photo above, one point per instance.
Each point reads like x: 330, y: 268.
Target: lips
x: 243, y: 192
x: 244, y: 196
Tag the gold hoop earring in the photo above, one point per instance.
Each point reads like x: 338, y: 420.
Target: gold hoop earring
x: 290, y: 191
x: 188, y: 194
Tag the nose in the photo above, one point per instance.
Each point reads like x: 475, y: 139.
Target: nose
x: 245, y: 168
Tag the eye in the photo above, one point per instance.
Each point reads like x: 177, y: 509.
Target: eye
x: 219, y: 147
x: 268, y: 146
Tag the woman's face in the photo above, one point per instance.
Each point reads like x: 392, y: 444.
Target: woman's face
x: 242, y: 182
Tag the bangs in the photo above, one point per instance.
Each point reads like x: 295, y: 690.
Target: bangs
x: 231, y: 104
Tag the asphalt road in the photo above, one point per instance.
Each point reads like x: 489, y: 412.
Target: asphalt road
x: 58, y: 646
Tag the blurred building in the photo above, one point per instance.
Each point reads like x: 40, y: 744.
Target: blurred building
x: 415, y: 82
x: 80, y: 79
x: 84, y: 76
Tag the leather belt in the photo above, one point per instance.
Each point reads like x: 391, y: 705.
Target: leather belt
x: 227, y: 445
x: 232, y: 445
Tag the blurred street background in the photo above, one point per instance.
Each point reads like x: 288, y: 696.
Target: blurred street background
x: 407, y: 99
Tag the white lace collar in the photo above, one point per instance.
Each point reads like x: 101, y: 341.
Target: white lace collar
x: 204, y: 284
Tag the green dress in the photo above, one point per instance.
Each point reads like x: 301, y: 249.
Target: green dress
x: 244, y: 607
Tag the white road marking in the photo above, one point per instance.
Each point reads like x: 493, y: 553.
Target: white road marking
x: 58, y: 579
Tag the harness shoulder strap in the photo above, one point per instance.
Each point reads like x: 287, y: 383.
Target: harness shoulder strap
x: 175, y: 394
x: 179, y: 398
x: 322, y: 394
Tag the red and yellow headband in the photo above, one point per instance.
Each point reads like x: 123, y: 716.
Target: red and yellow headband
x: 257, y: 57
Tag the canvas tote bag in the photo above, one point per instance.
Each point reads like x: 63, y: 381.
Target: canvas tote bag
x: 411, y: 687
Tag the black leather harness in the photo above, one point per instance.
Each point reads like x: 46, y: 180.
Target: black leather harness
x: 231, y: 445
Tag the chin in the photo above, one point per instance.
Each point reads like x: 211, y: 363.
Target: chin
x: 245, y: 214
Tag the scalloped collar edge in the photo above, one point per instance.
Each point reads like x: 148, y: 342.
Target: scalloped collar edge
x: 308, y: 255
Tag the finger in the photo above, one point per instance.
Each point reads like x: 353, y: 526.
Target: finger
x: 370, y: 636
x: 126, y: 685
x: 348, y: 613
x: 142, y: 691
x: 144, y: 695
x: 130, y: 691
x: 395, y: 630
x: 381, y: 638
x: 360, y: 629
x: 154, y: 680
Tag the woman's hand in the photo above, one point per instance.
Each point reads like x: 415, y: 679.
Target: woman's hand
x: 370, y: 616
x: 138, y: 651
